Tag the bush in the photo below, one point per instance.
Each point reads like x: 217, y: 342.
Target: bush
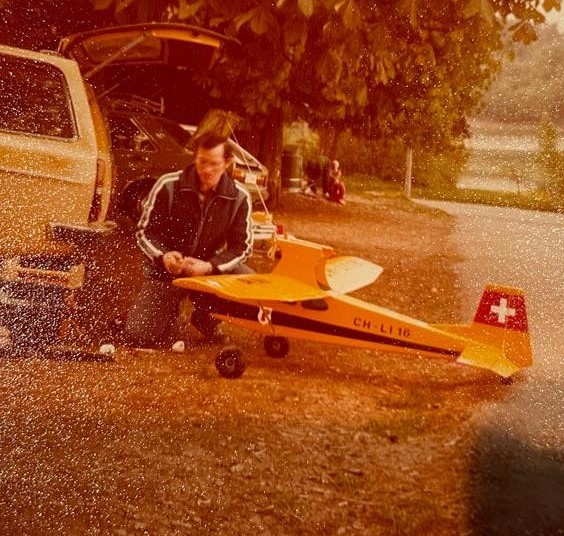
x: 550, y: 160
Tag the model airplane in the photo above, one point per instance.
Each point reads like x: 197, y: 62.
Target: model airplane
x: 305, y: 296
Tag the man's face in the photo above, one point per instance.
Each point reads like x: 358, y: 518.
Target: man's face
x: 210, y: 165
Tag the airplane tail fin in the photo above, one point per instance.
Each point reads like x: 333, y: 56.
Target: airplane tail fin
x: 500, y: 331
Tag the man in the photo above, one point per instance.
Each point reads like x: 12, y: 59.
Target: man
x: 195, y: 222
x: 337, y: 191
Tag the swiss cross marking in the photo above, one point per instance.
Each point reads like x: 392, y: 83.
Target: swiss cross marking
x: 502, y: 311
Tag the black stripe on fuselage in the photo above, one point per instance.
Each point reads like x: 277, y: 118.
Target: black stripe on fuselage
x: 250, y: 312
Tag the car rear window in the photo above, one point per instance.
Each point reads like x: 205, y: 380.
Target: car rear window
x: 126, y: 135
x: 34, y: 98
x: 181, y: 136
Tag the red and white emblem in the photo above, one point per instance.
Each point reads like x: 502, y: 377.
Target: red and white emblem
x: 264, y: 315
x: 501, y: 308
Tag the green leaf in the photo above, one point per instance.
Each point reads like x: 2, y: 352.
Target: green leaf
x: 525, y: 33
x: 188, y: 9
x: 241, y: 20
x: 306, y: 7
x: 549, y: 5
x: 262, y: 21
x: 350, y: 14
x: 481, y: 8
x: 99, y: 5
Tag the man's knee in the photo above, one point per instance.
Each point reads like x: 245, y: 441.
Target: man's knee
x: 152, y: 314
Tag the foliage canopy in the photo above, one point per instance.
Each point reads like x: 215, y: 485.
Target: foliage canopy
x: 405, y: 69
x: 531, y: 84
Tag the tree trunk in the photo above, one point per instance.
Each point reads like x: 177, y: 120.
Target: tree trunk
x: 271, y: 155
x: 408, y: 170
x: 328, y: 141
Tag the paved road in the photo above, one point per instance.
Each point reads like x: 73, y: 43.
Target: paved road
x: 520, y: 440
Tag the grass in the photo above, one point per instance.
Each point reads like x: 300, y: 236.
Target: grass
x: 528, y: 200
x: 524, y: 200
x: 359, y: 183
x: 502, y: 164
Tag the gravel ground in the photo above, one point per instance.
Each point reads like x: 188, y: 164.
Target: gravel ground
x: 329, y: 440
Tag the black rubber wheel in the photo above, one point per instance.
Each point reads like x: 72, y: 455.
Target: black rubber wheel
x: 276, y: 346
x: 229, y: 362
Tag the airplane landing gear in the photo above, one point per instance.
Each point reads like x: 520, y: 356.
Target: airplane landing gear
x: 276, y: 346
x: 230, y: 363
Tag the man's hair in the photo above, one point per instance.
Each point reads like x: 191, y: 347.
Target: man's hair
x: 209, y: 140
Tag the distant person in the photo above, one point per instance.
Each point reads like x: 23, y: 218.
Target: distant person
x: 334, y: 174
x: 337, y: 190
x: 195, y: 222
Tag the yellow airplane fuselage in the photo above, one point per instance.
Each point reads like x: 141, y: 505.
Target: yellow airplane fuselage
x: 342, y: 319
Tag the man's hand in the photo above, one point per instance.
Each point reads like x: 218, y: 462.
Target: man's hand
x: 194, y: 267
x: 173, y: 262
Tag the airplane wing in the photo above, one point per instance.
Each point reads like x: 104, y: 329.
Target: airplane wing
x: 344, y: 274
x: 252, y: 287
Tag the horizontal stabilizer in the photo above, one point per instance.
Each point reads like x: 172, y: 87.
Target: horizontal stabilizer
x: 488, y: 358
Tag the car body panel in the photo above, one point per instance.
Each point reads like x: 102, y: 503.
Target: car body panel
x: 147, y: 43
x: 42, y: 162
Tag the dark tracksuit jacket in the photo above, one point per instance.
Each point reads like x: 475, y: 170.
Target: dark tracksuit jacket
x: 174, y: 220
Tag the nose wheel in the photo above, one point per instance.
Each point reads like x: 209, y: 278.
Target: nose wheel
x: 276, y: 346
x: 230, y: 363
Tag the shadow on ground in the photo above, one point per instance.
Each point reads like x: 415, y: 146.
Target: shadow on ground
x: 516, y: 488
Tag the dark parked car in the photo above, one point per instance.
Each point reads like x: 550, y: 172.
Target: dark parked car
x: 146, y: 146
x: 143, y: 149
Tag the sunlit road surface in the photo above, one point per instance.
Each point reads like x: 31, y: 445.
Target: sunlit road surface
x: 524, y: 431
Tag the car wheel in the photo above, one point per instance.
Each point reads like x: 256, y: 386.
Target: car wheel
x: 229, y: 362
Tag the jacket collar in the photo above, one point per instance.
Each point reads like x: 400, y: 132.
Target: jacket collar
x: 189, y: 180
